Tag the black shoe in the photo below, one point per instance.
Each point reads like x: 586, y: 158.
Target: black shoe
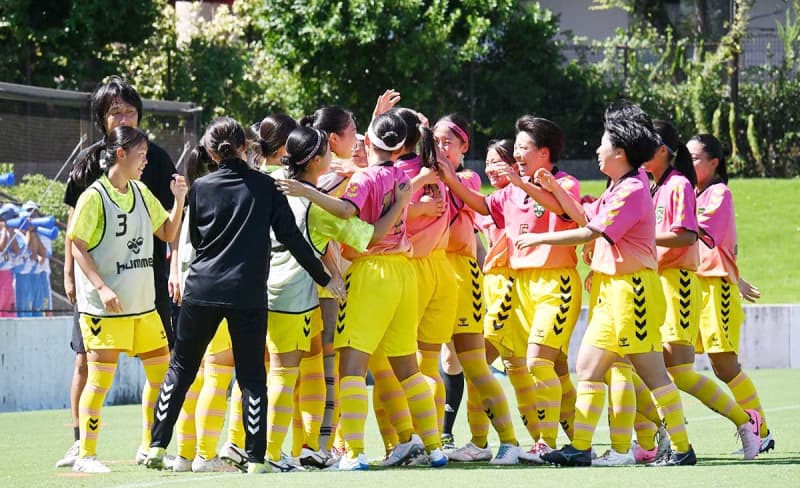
x: 569, y: 456
x: 674, y: 458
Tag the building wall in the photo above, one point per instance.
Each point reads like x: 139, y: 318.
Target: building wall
x: 593, y: 24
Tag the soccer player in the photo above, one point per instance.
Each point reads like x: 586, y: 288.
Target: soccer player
x: 721, y: 316
x: 111, y: 234
x: 629, y: 304
x: 230, y: 212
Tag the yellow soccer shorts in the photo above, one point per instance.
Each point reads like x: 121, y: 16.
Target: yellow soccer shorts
x: 438, y: 295
x: 721, y: 316
x: 288, y: 332
x: 134, y: 334
x: 221, y: 341
x: 381, y: 306
x: 627, y: 314
x: 501, y: 325
x: 469, y: 304
x: 549, y: 305
x: 683, y: 300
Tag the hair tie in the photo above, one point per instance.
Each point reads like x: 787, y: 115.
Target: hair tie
x: 313, y: 151
x: 104, y: 161
x: 378, y: 142
x: 455, y: 129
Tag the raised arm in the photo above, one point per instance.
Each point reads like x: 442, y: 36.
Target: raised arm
x: 473, y: 198
x: 169, y: 230
x: 570, y: 237
x: 332, y: 205
x: 678, y: 238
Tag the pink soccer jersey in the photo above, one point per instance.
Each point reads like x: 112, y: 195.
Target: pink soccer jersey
x: 717, y: 223
x: 462, y: 218
x: 497, y: 254
x: 372, y: 192
x: 624, y: 215
x: 514, y: 209
x: 676, y: 209
x: 426, y: 233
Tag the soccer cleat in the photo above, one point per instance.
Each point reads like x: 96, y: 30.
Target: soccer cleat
x: 674, y: 458
x: 89, y: 465
x: 470, y: 453
x: 568, y: 456
x: 213, y: 465
x: 182, y: 465
x: 534, y: 455
x: 614, y: 458
x: 402, y: 453
x: 257, y: 468
x: 767, y: 443
x: 448, y: 442
x: 141, y: 456
x: 311, y: 458
x: 358, y: 463
x: 642, y: 455
x: 663, y: 443
x: 437, y: 459
x: 506, y: 454
x: 70, y: 456
x: 155, y: 458
x: 748, y: 433
x: 235, y: 456
x: 283, y: 465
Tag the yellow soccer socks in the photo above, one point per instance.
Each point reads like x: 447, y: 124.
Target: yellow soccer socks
x: 311, y: 398
x: 668, y: 402
x: 621, y: 406
x: 525, y: 391
x: 185, y: 427
x: 707, y: 391
x: 211, y: 404
x: 280, y: 400
x: 548, y: 399
x: 567, y: 414
x: 354, y: 405
x: 429, y: 367
x: 744, y: 391
x: 492, y: 396
x: 235, y: 421
x: 98, y: 382
x: 588, y: 407
x: 155, y: 369
x: 423, y: 410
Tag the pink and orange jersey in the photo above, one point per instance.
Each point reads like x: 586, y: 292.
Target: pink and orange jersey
x: 372, y: 193
x: 496, y: 242
x: 462, y: 218
x: 717, y: 223
x: 625, y: 216
x: 518, y: 213
x: 425, y: 232
x: 676, y: 209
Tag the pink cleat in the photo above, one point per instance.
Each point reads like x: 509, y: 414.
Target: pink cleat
x: 642, y: 455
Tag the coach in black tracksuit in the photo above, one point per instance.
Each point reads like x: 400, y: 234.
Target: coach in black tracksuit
x: 231, y: 211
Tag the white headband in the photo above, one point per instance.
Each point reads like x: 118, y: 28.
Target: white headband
x: 377, y: 142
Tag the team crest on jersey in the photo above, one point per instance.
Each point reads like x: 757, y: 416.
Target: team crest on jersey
x: 701, y: 210
x: 538, y: 210
x: 351, y: 191
x: 135, y: 244
x: 659, y: 214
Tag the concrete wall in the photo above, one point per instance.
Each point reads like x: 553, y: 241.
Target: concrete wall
x: 36, y: 362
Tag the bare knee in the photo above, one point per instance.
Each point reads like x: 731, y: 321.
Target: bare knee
x: 726, y: 366
x: 81, y: 365
x: 450, y: 363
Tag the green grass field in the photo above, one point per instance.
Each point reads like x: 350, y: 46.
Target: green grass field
x: 768, y: 227
x: 35, y: 440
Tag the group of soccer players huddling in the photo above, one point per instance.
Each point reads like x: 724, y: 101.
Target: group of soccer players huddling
x: 380, y: 253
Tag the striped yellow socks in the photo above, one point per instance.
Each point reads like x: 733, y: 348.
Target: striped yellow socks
x: 211, y: 403
x: 311, y: 398
x: 644, y: 400
x: 707, y: 391
x: 280, y: 399
x: 566, y: 416
x: 155, y: 369
x: 492, y: 396
x: 235, y: 422
x: 476, y: 417
x: 525, y: 391
x: 354, y: 405
x: 548, y: 399
x: 98, y: 382
x: 331, y: 400
x: 423, y: 410
x: 621, y: 406
x: 429, y: 367
x: 591, y: 397
x: 185, y: 428
x: 744, y: 391
x: 668, y: 402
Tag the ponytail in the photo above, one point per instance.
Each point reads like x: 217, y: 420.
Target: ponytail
x: 681, y: 159
x: 199, y: 163
x: 87, y: 168
x: 427, y: 149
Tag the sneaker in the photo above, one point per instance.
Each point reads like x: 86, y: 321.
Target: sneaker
x: 89, y: 465
x: 283, y: 465
x: 402, y: 452
x: 181, y: 465
x: 767, y: 443
x: 421, y: 459
x: 437, y: 459
x: 70, y: 456
x: 470, y: 453
x: 257, y: 468
x: 154, y: 458
x: 614, y: 458
x: 311, y: 458
x: 448, y: 442
x: 534, y: 455
x: 506, y: 454
x: 568, y: 456
x: 663, y: 443
x: 749, y: 435
x: 674, y: 458
x: 235, y: 456
x: 642, y: 455
x: 346, y: 463
x: 141, y: 456
x: 213, y: 465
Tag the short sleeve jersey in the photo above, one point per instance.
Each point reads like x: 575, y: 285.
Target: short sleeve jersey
x: 372, y: 192
x: 676, y: 209
x: 519, y: 213
x: 717, y: 222
x: 625, y: 216
x: 462, y: 218
x: 497, y: 252
x: 425, y: 232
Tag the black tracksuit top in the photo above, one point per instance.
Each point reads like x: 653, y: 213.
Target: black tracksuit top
x: 231, y: 211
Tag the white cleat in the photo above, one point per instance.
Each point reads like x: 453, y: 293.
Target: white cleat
x: 470, y: 453
x: 213, y: 465
x: 346, y: 463
x: 313, y: 459
x: 534, y: 455
x: 507, y: 454
x: 403, y: 453
x: 663, y: 444
x: 437, y: 459
x: 284, y: 465
x: 181, y: 465
x: 235, y: 456
x: 70, y: 456
x: 614, y: 458
x: 89, y: 465
x: 141, y: 456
